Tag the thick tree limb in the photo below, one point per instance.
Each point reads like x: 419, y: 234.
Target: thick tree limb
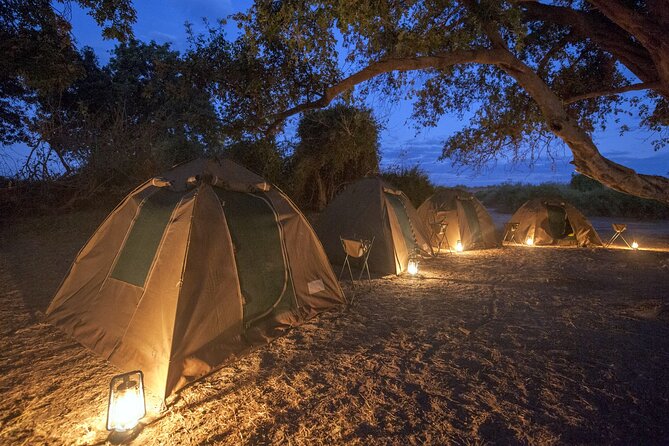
x: 587, y: 158
x: 649, y: 29
x: 391, y: 64
x: 603, y: 32
x: 613, y: 91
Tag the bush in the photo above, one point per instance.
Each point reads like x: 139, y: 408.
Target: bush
x: 263, y: 157
x: 413, y: 181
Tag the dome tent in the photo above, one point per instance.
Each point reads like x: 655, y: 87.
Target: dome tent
x: 553, y: 221
x: 371, y: 208
x: 192, y: 269
x: 468, y: 221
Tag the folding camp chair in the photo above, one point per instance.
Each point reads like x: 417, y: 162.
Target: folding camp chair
x: 510, y: 230
x: 618, y: 229
x: 439, y: 234
x: 356, y: 249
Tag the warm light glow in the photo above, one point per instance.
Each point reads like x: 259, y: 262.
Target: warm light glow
x: 126, y: 401
x: 413, y: 267
x: 458, y: 246
x: 635, y: 245
x: 529, y: 241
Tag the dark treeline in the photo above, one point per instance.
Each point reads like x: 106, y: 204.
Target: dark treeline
x: 116, y: 125
x: 94, y: 131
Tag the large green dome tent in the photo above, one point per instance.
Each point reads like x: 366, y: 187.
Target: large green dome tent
x: 192, y: 269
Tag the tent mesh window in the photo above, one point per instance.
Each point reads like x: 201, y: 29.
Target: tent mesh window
x: 141, y: 245
x: 264, y: 276
x: 472, y: 220
x: 403, y: 218
x: 558, y: 223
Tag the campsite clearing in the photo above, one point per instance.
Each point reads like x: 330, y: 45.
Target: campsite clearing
x: 534, y: 345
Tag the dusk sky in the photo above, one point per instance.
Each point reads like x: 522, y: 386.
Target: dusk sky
x: 164, y: 21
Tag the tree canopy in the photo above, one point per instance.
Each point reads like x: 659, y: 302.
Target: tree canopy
x: 533, y: 72
x: 39, y: 56
x: 336, y: 145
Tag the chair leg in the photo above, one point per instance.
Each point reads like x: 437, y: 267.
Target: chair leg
x: 626, y: 242
x: 613, y: 238
x: 350, y: 272
x: 343, y: 266
x: 364, y: 265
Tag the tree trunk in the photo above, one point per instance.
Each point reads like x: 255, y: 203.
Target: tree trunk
x: 321, y: 194
x: 587, y: 159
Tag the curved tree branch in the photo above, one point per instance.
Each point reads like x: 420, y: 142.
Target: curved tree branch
x: 606, y: 34
x: 388, y: 65
x: 650, y: 30
x: 587, y: 158
x: 613, y: 91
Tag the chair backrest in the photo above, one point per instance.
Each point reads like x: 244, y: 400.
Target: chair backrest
x: 512, y: 226
x: 438, y: 228
x: 355, y: 248
x: 619, y: 227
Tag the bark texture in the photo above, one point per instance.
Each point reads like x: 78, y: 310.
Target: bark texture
x: 637, y: 41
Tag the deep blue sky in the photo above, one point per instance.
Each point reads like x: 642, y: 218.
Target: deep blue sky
x: 164, y: 21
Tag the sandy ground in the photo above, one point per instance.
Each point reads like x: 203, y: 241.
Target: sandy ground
x: 515, y: 345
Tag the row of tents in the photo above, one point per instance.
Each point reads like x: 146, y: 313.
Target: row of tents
x: 197, y: 266
x: 373, y: 209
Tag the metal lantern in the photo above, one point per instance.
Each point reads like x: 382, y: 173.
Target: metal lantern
x: 458, y: 246
x: 412, y: 268
x: 529, y: 241
x: 126, y: 401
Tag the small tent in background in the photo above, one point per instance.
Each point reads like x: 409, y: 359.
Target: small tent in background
x: 550, y: 221
x: 371, y: 208
x: 467, y: 219
x: 192, y: 269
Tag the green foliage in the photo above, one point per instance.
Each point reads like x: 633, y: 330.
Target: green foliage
x: 117, y: 125
x: 336, y: 145
x: 584, y: 184
x: 588, y: 195
x: 413, y: 181
x: 39, y: 58
x: 122, y: 122
x: 288, y: 54
x: 263, y: 157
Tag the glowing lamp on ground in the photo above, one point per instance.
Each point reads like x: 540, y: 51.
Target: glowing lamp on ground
x: 529, y: 241
x: 126, y: 401
x: 635, y: 245
x: 458, y: 246
x: 412, y: 267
